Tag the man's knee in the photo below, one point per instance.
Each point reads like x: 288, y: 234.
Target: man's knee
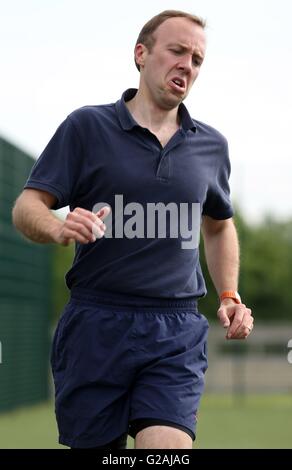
x: 163, y: 437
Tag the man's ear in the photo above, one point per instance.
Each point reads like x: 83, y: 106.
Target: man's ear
x: 141, y: 52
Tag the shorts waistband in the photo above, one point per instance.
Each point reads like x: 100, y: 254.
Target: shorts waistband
x: 117, y: 299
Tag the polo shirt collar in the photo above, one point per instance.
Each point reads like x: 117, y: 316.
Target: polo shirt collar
x: 128, y: 122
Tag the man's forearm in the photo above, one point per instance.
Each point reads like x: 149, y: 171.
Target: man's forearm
x: 35, y: 221
x: 222, y: 255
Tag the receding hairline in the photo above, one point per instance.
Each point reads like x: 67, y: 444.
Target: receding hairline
x: 146, y: 35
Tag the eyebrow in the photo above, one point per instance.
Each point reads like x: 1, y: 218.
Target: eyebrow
x: 186, y: 49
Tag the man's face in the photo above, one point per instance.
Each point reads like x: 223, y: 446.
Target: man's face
x: 170, y: 69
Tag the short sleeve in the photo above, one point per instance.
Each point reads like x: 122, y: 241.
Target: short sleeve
x: 58, y: 167
x: 218, y: 204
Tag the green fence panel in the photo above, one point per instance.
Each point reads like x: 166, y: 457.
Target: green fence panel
x: 25, y: 295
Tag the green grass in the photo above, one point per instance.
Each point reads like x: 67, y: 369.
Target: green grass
x: 29, y: 428
x: 252, y: 422
x: 224, y: 422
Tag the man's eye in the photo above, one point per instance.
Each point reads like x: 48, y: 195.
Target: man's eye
x: 175, y: 51
x: 197, y: 62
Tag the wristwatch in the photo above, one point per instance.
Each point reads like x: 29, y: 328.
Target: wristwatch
x: 231, y: 294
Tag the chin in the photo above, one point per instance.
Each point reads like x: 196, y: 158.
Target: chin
x: 174, y: 99
x: 169, y: 106
x: 179, y: 97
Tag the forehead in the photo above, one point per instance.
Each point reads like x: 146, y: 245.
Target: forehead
x: 181, y: 31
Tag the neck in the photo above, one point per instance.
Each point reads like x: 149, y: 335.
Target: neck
x: 148, y: 114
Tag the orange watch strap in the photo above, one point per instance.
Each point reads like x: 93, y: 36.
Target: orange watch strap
x: 231, y: 294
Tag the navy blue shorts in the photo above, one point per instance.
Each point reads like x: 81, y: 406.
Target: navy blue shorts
x: 118, y: 361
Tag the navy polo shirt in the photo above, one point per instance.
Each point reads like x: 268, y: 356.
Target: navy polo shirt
x: 100, y: 152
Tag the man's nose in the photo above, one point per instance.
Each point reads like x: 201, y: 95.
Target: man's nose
x: 185, y: 63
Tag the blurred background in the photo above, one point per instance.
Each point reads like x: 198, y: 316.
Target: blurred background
x: 57, y: 56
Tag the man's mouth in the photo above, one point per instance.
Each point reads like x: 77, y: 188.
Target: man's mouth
x: 178, y: 84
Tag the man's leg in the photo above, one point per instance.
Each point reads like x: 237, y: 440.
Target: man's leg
x: 91, y: 379
x: 163, y: 437
x: 166, y: 394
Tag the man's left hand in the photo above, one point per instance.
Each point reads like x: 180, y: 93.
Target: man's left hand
x: 237, y: 318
